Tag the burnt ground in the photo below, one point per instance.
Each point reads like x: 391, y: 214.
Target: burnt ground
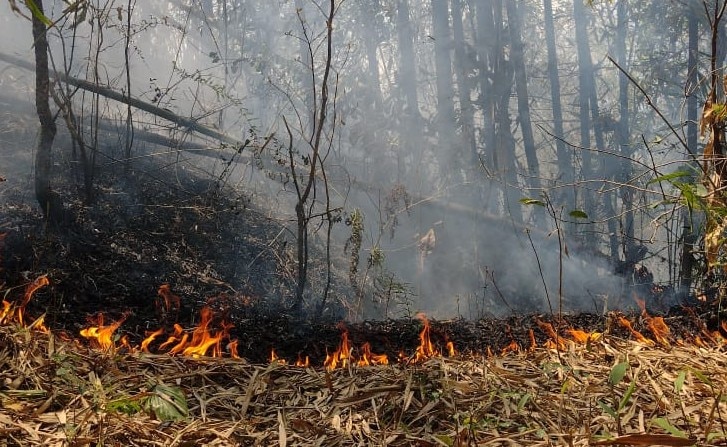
x: 157, y: 224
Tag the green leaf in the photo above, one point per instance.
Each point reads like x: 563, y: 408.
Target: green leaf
x: 527, y: 201
x: 522, y: 402
x: 666, y: 426
x: 607, y: 408
x: 578, y: 214
x: 679, y: 383
x: 33, y: 7
x: 669, y: 177
x: 617, y: 373
x: 701, y: 376
x: 126, y: 406
x: 625, y: 399
x: 167, y: 403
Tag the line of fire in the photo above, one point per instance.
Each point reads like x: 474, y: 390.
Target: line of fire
x: 213, y: 336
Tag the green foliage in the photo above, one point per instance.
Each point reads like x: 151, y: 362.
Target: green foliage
x: 617, y: 373
x: 166, y: 403
x: 128, y: 406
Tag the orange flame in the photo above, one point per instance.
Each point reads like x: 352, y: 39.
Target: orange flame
x: 11, y: 312
x: 275, y: 359
x: 301, y: 362
x: 512, y: 347
x: 368, y: 358
x: 202, y: 341
x: 342, y: 355
x: 626, y: 324
x: 150, y: 338
x: 426, y: 349
x: 169, y: 302
x: 450, y: 349
x: 658, y: 327
x: 582, y: 337
x: 100, y: 335
x: 555, y: 341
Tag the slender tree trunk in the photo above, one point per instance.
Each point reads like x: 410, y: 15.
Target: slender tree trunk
x: 407, y: 81
x: 565, y: 159
x: 445, y: 92
x: 689, y: 230
x: 623, y: 132
x: 48, y: 199
x: 523, y: 105
x: 585, y: 77
x: 463, y: 66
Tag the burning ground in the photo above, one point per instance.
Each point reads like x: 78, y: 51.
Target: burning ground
x: 155, y: 322
x: 639, y: 380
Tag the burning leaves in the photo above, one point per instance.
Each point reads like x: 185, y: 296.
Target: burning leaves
x: 15, y: 313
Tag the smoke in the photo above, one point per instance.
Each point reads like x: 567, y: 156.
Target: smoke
x: 241, y: 68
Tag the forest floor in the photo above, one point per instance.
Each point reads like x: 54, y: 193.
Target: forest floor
x: 521, y: 380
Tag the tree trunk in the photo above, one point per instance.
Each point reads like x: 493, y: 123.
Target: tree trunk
x: 523, y: 106
x: 444, y: 82
x: 585, y: 77
x: 407, y: 81
x: 463, y: 66
x: 689, y: 230
x: 49, y: 201
x: 565, y: 159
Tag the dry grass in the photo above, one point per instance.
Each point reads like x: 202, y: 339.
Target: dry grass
x: 61, y: 393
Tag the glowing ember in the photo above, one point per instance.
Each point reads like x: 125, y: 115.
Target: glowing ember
x: 101, y: 335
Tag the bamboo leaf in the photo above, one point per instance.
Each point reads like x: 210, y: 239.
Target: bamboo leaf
x: 167, y: 403
x: 668, y: 427
x: 37, y: 13
x: 527, y: 201
x: 679, y: 382
x: 617, y: 373
x: 578, y: 214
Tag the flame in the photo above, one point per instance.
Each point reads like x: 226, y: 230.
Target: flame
x: 232, y: 349
x: 555, y: 341
x: 626, y: 324
x: 15, y: 313
x: 302, y: 363
x: 169, y: 302
x: 450, y: 349
x: 340, y: 356
x: 202, y: 341
x: 533, y: 343
x: 512, y: 347
x: 101, y: 335
x: 275, y: 359
x: 659, y: 329
x: 426, y: 349
x: 150, y: 338
x: 582, y: 337
x: 178, y: 335
x: 368, y: 358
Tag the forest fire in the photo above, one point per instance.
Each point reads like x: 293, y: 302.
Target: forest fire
x: 208, y: 338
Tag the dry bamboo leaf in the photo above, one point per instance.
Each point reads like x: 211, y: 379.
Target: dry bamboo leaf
x: 648, y: 440
x: 282, y: 434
